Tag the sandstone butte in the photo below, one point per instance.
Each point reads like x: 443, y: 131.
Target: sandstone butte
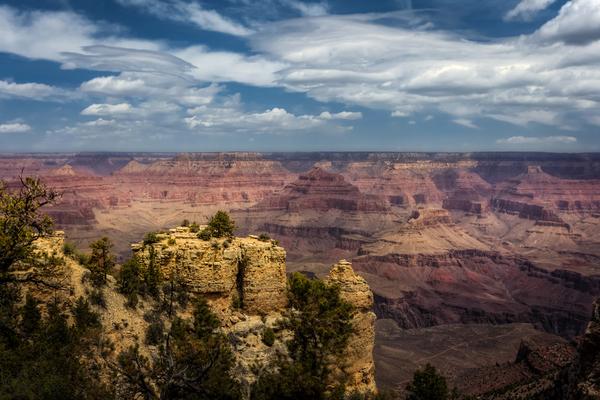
x: 245, y: 282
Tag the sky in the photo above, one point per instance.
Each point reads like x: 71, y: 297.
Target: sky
x: 290, y: 75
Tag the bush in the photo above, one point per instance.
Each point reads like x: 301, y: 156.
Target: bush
x: 96, y: 297
x: 84, y: 317
x: 101, y: 261
x: 194, y: 227
x: 268, y: 337
x: 155, y: 332
x: 69, y: 249
x: 82, y: 258
x: 427, y: 384
x: 186, y: 222
x: 264, y: 237
x: 204, y: 235
x: 171, y: 242
x: 221, y: 225
x: 130, y: 281
x: 151, y: 238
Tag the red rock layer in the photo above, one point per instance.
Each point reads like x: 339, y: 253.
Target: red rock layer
x: 322, y: 191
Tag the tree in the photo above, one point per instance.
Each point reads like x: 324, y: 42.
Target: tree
x: 220, y: 225
x: 21, y: 222
x: 321, y: 323
x: 101, y: 261
x: 428, y: 384
x: 130, y: 281
x: 193, y: 361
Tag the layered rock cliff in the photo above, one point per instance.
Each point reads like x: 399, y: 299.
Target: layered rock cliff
x: 245, y: 281
x: 359, y: 355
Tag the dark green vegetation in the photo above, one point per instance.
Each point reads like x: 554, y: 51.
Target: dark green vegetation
x: 321, y: 323
x: 42, y: 354
x: 193, y: 361
x: 220, y: 225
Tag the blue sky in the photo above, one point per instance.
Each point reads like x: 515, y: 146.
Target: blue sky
x: 290, y: 75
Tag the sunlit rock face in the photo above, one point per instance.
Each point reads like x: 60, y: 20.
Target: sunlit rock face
x: 359, y: 354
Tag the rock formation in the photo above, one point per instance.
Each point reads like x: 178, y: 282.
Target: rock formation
x: 359, y: 355
x: 244, y: 270
x: 244, y: 280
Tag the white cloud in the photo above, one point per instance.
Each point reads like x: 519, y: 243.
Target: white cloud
x: 230, y: 116
x: 99, y: 122
x: 308, y: 9
x: 515, y: 140
x: 190, y: 12
x: 527, y: 9
x: 465, y: 122
x: 348, y: 115
x: 221, y: 66
x: 578, y: 22
x: 34, y: 91
x: 107, y: 109
x: 14, y: 128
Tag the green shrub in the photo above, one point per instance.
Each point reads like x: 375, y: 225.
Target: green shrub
x: 151, y: 238
x: 427, y: 384
x: 101, y: 261
x: 194, y: 227
x: 221, y: 225
x: 172, y: 242
x: 154, y: 333
x: 264, y: 237
x: 186, y: 222
x: 69, y: 249
x: 268, y: 337
x: 96, y: 298
x: 130, y: 282
x: 204, y: 235
x: 84, y: 317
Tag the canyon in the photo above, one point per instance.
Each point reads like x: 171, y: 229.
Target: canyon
x: 446, y: 241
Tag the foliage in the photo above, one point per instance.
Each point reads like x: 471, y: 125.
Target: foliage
x: 21, y: 222
x: 96, y: 297
x: 204, y: 234
x: 69, y: 250
x: 152, y: 276
x: 321, y: 323
x: 264, y: 237
x: 220, y: 225
x: 130, y: 282
x: 151, y: 238
x: 83, y: 315
x: 186, y: 222
x: 194, y: 227
x: 268, y: 337
x: 101, y: 261
x: 428, y: 384
x: 193, y: 362
x: 49, y: 352
x: 171, y: 242
x: 155, y: 332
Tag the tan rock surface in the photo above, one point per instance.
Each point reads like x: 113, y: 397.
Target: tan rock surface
x: 359, y: 355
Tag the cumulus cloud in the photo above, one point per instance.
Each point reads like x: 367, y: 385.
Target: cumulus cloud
x: 30, y: 90
x: 578, y: 22
x: 15, y: 127
x: 354, y: 59
x: 540, y: 140
x: 107, y: 109
x: 190, y: 12
x: 229, y: 115
x: 526, y: 9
